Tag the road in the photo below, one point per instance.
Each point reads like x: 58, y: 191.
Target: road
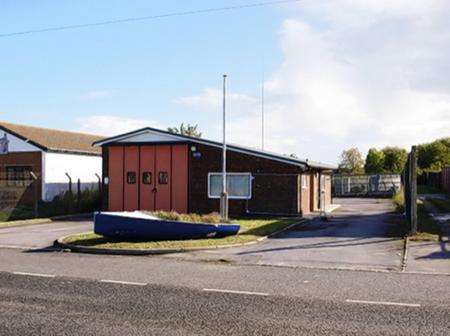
x: 48, y: 292
x: 33, y: 304
x: 41, y: 235
x: 359, y: 235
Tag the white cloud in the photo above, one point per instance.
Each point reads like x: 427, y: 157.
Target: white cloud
x: 365, y: 73
x: 112, y: 125
x: 95, y: 95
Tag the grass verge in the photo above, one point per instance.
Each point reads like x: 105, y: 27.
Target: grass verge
x: 251, y: 229
x: 427, y: 228
x: 19, y: 213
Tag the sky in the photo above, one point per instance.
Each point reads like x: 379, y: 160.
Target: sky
x: 337, y: 73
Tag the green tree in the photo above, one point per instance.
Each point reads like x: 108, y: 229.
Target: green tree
x: 186, y: 129
x: 351, y: 162
x: 374, y: 162
x: 433, y: 156
x: 394, y: 159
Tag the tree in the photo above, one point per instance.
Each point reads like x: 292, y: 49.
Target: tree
x: 351, y: 161
x: 394, y: 159
x: 374, y: 162
x: 433, y: 156
x: 188, y: 130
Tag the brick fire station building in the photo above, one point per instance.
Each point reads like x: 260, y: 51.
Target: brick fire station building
x: 151, y: 169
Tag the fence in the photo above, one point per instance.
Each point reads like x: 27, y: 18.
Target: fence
x: 439, y: 180
x: 365, y: 185
x: 410, y: 190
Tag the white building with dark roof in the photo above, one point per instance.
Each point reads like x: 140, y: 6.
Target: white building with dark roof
x: 51, y: 155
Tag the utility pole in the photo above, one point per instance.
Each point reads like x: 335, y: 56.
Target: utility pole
x: 224, y: 195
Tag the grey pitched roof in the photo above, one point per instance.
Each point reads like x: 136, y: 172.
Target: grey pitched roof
x: 230, y: 146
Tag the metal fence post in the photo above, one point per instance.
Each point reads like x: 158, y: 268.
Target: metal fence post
x: 36, y: 194
x: 78, y: 195
x: 70, y: 193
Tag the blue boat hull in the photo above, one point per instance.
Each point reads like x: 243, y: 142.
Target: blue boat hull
x: 114, y: 226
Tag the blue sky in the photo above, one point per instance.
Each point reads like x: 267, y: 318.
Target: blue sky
x: 143, y: 66
x: 333, y: 70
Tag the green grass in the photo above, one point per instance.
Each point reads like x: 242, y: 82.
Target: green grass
x: 442, y: 205
x: 424, y: 189
x: 251, y: 229
x: 427, y: 228
x: 16, y: 214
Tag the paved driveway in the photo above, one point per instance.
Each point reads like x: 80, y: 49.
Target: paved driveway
x: 358, y: 236
x: 41, y: 235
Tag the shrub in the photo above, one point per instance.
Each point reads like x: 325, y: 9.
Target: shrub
x: 67, y: 203
x: 399, y: 200
x: 212, y: 218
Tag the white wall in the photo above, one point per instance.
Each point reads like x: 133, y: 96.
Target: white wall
x: 81, y: 167
x: 150, y: 136
x: 18, y: 145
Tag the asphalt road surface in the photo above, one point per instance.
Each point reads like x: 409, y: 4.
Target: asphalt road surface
x: 357, y: 236
x: 50, y: 293
x: 42, y: 235
x: 42, y: 305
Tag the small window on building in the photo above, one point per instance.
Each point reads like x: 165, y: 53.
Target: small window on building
x: 131, y: 177
x: 18, y: 175
x: 147, y: 178
x: 163, y: 178
x: 239, y: 185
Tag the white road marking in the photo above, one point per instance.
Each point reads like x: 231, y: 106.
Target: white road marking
x: 234, y: 291
x: 386, y: 303
x: 124, y: 282
x: 67, y: 228
x: 19, y: 247
x: 35, y: 274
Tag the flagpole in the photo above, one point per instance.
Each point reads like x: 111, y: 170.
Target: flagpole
x: 224, y: 195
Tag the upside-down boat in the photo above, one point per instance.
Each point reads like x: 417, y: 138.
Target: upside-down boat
x: 139, y: 225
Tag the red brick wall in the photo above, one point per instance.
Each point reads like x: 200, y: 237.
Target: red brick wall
x: 305, y: 193
x: 24, y: 196
x: 314, y: 190
x: 209, y: 160
x: 327, y: 189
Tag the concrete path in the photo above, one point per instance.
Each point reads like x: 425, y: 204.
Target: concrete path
x: 41, y: 235
x: 357, y: 236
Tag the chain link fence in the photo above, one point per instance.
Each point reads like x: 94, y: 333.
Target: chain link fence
x: 376, y: 185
